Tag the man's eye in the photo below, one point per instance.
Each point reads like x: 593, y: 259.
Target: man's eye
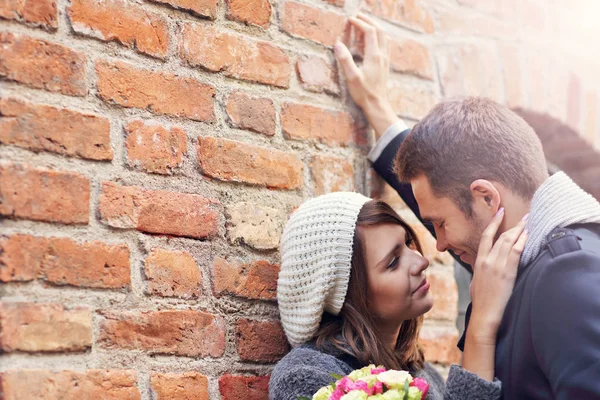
x: 394, y: 263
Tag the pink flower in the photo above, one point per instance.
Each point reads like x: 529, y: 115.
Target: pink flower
x: 377, y: 388
x: 361, y: 385
x: 377, y: 371
x: 337, y: 394
x: 421, y: 384
x: 345, y: 384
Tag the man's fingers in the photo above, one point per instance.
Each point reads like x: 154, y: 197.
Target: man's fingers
x: 370, y: 34
x: 344, y: 58
x: 382, y: 37
x: 487, y: 238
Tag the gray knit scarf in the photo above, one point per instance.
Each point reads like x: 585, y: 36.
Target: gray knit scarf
x: 558, y: 203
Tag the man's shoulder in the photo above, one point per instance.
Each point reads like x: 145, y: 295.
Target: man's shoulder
x: 568, y: 274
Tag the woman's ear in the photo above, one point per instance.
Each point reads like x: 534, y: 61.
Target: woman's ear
x: 485, y: 195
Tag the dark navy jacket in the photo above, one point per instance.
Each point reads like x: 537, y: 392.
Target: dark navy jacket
x: 548, y: 344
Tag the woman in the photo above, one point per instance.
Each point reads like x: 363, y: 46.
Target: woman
x: 352, y: 292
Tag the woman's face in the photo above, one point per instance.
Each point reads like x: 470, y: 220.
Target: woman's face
x: 398, y: 289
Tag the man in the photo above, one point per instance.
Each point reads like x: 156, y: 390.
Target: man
x: 463, y: 162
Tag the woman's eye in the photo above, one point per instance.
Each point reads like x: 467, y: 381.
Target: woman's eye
x: 394, y: 263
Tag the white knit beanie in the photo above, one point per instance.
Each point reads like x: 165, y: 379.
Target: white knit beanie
x: 316, y: 252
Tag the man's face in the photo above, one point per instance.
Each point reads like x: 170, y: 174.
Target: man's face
x: 454, y: 230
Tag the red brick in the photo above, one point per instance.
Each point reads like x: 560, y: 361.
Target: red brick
x: 117, y: 20
x: 261, y: 341
x: 317, y: 75
x: 301, y: 121
x: 411, y: 57
x: 444, y: 292
x: 39, y: 12
x: 494, y: 7
x: 408, y: 13
x: 180, y: 332
x: 91, y: 264
x: 253, y: 280
x: 153, y: 148
x: 32, y: 327
x: 44, y: 195
x: 533, y: 16
x: 439, y: 344
x: 160, y: 93
x: 244, y: 387
x: 449, y: 22
x: 536, y: 79
x: 481, y: 73
x: 73, y: 134
x: 331, y: 174
x: 172, y: 274
x: 256, y: 12
x: 185, y: 386
x: 449, y: 67
x: 57, y: 68
x: 411, y: 101
x: 64, y: 262
x: 230, y: 160
x: 235, y: 55
x: 158, y: 211
x: 21, y: 257
x: 202, y: 8
x: 252, y: 113
x: 69, y: 385
x: 255, y: 225
x: 512, y: 75
x: 312, y: 23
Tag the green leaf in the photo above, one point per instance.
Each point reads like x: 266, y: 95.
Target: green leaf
x: 336, y: 376
x: 302, y: 398
x: 406, y: 386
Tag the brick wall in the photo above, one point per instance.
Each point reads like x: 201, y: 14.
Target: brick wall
x: 151, y: 152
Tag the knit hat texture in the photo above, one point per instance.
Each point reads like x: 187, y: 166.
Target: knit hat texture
x: 316, y: 252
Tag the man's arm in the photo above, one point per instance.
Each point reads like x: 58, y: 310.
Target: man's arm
x: 565, y: 325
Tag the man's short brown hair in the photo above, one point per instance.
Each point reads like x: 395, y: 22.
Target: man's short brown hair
x: 465, y: 139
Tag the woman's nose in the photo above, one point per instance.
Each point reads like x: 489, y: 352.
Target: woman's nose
x: 419, y: 265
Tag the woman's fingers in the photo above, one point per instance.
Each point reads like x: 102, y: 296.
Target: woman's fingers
x: 370, y: 34
x: 344, y: 58
x: 503, y: 247
x: 489, y: 234
x: 512, y: 262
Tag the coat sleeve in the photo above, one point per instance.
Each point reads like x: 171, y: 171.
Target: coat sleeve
x: 302, y: 380
x: 465, y: 385
x: 383, y: 157
x: 565, y: 325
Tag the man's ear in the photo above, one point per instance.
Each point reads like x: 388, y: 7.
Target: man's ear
x: 485, y: 193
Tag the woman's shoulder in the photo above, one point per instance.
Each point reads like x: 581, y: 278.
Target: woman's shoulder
x: 303, y: 371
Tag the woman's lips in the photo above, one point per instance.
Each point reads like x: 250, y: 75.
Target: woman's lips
x: 423, y: 287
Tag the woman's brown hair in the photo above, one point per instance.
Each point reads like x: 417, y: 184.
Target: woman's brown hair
x: 354, y: 331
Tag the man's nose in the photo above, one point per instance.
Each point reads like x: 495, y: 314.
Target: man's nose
x: 441, y: 244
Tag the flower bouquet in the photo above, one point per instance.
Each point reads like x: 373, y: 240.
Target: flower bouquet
x: 373, y: 383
